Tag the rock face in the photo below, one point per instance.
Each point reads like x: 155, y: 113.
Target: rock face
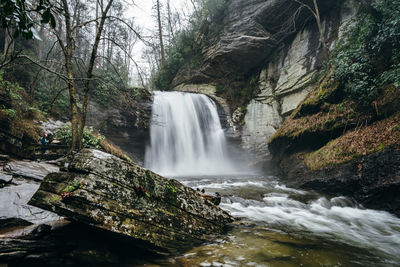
x: 286, y: 80
x: 125, y: 122
x: 373, y: 180
x: 262, y: 37
x: 252, y: 31
x: 106, y: 192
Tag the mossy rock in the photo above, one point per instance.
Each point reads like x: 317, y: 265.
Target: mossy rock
x: 104, y: 191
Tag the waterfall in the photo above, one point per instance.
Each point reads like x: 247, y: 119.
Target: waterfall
x: 186, y: 137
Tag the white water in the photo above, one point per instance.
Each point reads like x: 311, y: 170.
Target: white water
x: 186, y: 137
x: 338, y: 219
x: 187, y: 140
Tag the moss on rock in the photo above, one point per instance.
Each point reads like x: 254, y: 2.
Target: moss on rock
x: 112, y: 194
x: 356, y: 143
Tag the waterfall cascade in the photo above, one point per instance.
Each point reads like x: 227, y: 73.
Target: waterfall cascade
x: 186, y: 137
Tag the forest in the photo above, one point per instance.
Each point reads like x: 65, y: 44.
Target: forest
x: 199, y: 132
x: 57, y: 55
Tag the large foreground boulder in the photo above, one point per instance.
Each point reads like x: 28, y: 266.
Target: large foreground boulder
x: 104, y: 191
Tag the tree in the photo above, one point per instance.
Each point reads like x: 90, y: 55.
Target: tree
x: 160, y: 32
x: 316, y: 14
x: 16, y: 20
x: 67, y: 44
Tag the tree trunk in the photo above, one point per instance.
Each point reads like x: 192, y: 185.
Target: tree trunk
x: 325, y: 51
x: 160, y: 33
x: 8, y: 42
x: 89, y: 73
x: 76, y: 138
x: 170, y: 24
x: 68, y: 54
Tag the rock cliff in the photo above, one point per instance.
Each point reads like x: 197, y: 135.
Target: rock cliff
x: 320, y: 138
x: 125, y: 121
x: 253, y: 30
x: 282, y: 50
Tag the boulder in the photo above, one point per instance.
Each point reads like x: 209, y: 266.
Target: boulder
x: 18, y: 183
x: 30, y: 169
x: 103, y: 191
x: 5, y: 178
x: 13, y: 203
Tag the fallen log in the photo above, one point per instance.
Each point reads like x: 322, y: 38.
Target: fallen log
x: 104, y: 191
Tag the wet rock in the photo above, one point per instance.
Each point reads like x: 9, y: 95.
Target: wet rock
x: 4, y: 157
x: 30, y: 169
x: 372, y: 180
x: 13, y: 203
x: 106, y: 192
x: 125, y: 122
x: 51, y: 126
x: 66, y: 244
x: 13, y: 222
x: 5, y: 178
x: 215, y: 199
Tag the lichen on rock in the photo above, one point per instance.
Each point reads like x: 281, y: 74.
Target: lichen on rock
x: 104, y: 191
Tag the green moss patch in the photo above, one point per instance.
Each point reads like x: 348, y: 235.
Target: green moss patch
x: 356, y: 143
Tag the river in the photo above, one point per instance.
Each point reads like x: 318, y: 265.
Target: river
x: 276, y: 225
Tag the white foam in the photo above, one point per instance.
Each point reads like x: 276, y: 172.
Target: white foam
x: 351, y: 225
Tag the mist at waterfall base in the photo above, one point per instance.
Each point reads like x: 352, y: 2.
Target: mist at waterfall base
x: 187, y: 139
x: 279, y: 226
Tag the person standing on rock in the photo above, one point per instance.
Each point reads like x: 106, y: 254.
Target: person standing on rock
x: 43, y: 141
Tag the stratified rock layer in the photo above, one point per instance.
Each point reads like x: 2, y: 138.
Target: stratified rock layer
x: 109, y: 193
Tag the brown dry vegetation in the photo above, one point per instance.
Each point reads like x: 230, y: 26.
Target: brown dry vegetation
x: 17, y: 115
x: 359, y: 142
x: 26, y: 129
x: 114, y: 150
x: 322, y: 112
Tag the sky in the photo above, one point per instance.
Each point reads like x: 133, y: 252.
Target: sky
x: 143, y: 14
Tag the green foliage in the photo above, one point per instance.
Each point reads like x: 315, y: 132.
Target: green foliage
x: 11, y: 113
x: 52, y: 99
x: 392, y: 76
x: 340, y: 107
x: 90, y: 139
x: 16, y: 14
x: 188, y: 43
x: 369, y: 57
x: 186, y: 48
x: 171, y: 188
x: 18, y: 106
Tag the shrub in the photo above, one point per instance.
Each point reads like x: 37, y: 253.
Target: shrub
x: 90, y: 138
x: 369, y: 57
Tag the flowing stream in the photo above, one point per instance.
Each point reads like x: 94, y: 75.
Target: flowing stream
x: 279, y: 226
